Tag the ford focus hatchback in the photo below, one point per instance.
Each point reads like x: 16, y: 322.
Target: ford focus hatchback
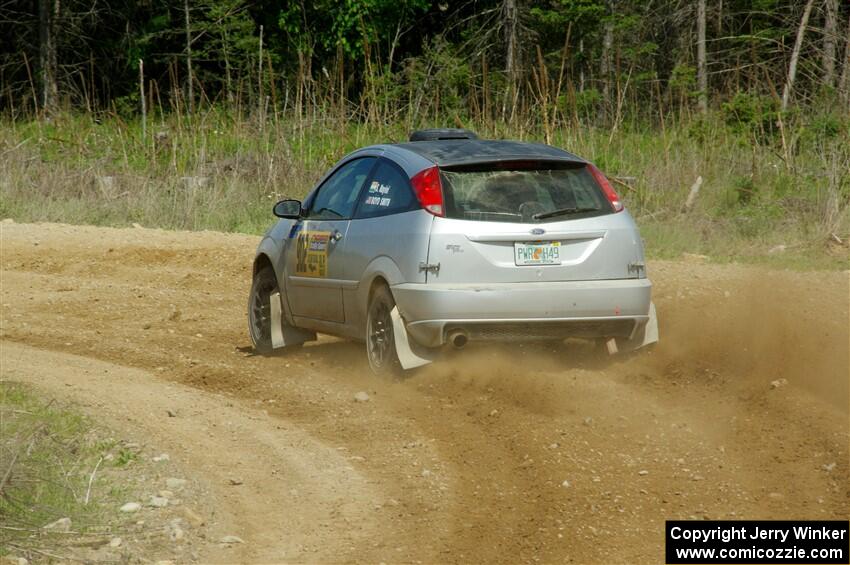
x: 448, y: 239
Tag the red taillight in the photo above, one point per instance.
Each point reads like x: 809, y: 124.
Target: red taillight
x: 429, y: 190
x: 606, y: 187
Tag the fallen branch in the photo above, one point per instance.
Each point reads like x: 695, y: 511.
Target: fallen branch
x: 623, y: 183
x: 15, y: 411
x: 91, y: 480
x: 652, y: 215
x: 59, y: 557
x: 42, y: 531
x: 14, y: 529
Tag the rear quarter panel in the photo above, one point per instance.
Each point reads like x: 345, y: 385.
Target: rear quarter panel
x: 390, y: 247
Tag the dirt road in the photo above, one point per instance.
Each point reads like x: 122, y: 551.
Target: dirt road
x: 494, y: 455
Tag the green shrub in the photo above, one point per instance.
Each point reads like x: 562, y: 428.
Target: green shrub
x: 752, y: 114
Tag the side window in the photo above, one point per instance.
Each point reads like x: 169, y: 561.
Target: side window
x: 337, y: 197
x: 388, y: 192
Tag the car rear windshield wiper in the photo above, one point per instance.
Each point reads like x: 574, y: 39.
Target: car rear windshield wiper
x: 563, y: 212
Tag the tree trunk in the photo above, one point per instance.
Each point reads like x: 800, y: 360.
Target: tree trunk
x: 190, y: 88
x: 702, y: 77
x: 605, y: 62
x: 720, y: 18
x: 510, y: 36
x: 228, y: 81
x: 844, y: 85
x: 143, y: 100
x: 509, y: 12
x: 260, y: 94
x: 48, y: 14
x: 795, y: 55
x: 581, y: 65
x: 829, y: 35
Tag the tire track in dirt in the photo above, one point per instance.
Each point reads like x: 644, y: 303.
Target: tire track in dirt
x: 310, y: 483
x: 471, y: 454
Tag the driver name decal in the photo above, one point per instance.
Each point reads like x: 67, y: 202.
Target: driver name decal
x: 312, y: 254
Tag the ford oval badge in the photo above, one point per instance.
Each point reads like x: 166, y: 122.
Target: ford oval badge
x: 538, y: 231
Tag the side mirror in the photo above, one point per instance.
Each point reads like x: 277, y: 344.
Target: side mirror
x: 288, y: 209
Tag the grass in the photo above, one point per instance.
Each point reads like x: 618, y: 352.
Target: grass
x: 48, y: 454
x: 219, y: 171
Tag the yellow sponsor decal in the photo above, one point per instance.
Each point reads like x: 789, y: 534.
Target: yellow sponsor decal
x: 312, y: 254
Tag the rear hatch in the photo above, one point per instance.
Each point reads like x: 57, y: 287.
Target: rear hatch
x: 531, y: 221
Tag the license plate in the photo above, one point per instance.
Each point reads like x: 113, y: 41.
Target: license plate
x: 537, y: 253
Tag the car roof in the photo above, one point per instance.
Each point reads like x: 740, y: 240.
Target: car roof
x: 449, y: 152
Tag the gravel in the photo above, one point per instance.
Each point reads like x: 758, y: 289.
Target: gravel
x: 175, y: 484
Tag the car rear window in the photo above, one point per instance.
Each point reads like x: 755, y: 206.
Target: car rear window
x: 522, y: 192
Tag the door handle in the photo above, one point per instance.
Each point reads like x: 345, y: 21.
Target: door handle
x: 336, y: 236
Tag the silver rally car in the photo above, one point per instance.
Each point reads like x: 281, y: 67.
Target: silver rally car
x: 447, y: 239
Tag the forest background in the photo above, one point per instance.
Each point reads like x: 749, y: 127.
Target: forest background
x: 724, y: 123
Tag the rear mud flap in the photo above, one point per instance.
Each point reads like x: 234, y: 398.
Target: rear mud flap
x: 410, y: 355
x: 641, y: 337
x: 284, y: 335
x: 650, y: 332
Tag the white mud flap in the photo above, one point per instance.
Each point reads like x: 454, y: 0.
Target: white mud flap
x: 646, y: 335
x: 409, y: 354
x: 650, y: 332
x: 285, y: 335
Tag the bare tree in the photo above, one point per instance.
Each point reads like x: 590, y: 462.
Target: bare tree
x: 142, y: 99
x: 844, y: 84
x: 189, y: 78
x: 605, y: 61
x: 702, y: 77
x: 510, y: 24
x: 48, y: 14
x: 829, y: 35
x: 795, y: 55
x: 509, y: 15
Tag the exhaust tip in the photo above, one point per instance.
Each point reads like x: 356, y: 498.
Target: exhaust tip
x: 458, y: 338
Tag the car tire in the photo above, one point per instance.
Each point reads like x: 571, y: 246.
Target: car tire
x: 380, y: 338
x: 259, y: 310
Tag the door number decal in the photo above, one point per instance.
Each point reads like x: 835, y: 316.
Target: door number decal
x: 312, y: 254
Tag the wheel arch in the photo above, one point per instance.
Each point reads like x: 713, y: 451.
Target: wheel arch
x: 377, y: 281
x: 268, y: 253
x: 261, y: 261
x: 381, y: 270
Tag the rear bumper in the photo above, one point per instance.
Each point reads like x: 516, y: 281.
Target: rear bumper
x: 524, y: 311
